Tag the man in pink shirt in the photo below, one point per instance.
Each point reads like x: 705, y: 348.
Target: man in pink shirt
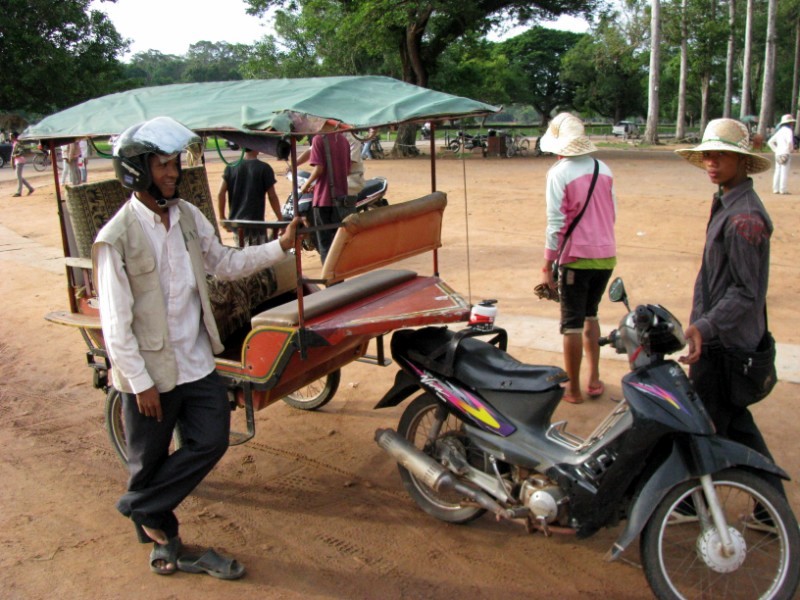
x: 581, y: 211
x: 335, y: 160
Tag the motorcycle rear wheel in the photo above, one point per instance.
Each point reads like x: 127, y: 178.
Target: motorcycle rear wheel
x: 681, y: 559
x: 416, y: 423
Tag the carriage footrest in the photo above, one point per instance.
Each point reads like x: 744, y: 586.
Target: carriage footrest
x: 235, y: 438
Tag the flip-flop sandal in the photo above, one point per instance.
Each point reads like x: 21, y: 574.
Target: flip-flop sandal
x: 165, y: 552
x: 595, y: 391
x: 211, y: 563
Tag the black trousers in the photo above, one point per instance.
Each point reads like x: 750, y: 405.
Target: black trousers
x: 159, y: 481
x: 733, y: 422
x: 324, y: 215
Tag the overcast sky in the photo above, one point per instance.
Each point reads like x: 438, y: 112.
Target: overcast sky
x: 171, y: 26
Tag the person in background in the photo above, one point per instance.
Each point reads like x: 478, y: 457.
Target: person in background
x: 248, y: 184
x: 70, y: 155
x: 83, y: 161
x: 730, y: 292
x: 355, y: 179
x: 366, y: 153
x: 325, y: 211
x: 782, y: 144
x: 150, y: 262
x: 588, y: 256
x: 18, y: 160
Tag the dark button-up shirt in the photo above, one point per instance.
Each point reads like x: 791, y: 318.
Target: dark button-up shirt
x: 736, y: 267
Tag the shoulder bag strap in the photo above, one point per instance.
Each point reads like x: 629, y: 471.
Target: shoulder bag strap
x: 574, y: 224
x: 329, y: 166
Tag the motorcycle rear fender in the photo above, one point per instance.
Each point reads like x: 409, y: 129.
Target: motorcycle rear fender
x: 404, y: 386
x: 716, y: 452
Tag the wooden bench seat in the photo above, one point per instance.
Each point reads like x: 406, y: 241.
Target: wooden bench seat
x: 332, y: 298
x: 364, y: 243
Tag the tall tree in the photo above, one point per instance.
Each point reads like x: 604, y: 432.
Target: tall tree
x: 768, y: 82
x: 729, y: 62
x: 680, y: 121
x: 651, y: 130
x: 606, y: 72
x: 418, y: 31
x: 534, y: 59
x: 56, y: 54
x: 746, y: 108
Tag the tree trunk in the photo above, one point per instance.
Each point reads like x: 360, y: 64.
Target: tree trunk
x: 414, y: 71
x: 796, y: 78
x: 726, y: 106
x: 768, y: 88
x: 705, y: 85
x: 651, y: 131
x: 746, y: 107
x: 680, y: 121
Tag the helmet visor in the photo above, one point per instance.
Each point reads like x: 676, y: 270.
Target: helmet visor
x: 163, y: 136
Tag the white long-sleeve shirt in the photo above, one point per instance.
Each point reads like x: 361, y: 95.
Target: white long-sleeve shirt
x: 782, y: 141
x: 188, y: 337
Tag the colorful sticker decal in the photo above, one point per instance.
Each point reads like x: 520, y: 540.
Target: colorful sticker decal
x: 660, y: 393
x: 465, y: 402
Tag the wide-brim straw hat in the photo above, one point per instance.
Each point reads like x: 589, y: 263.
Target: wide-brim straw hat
x: 786, y: 119
x: 565, y: 136
x: 726, y: 135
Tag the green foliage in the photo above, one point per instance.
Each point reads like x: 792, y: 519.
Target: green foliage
x: 607, y: 74
x: 56, y: 54
x: 534, y: 73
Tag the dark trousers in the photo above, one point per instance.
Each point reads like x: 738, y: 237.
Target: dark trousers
x: 159, y: 481
x: 324, y: 215
x: 733, y: 422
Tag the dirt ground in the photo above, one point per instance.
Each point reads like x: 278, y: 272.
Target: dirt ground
x: 311, y: 506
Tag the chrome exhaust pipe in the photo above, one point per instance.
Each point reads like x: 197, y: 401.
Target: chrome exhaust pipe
x: 433, y: 474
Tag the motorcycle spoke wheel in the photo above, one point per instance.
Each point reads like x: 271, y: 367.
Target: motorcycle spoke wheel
x: 683, y: 559
x: 316, y: 394
x: 523, y: 147
x: 416, y: 424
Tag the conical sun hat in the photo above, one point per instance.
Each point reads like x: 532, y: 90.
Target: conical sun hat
x: 565, y: 136
x: 726, y: 135
x: 786, y: 119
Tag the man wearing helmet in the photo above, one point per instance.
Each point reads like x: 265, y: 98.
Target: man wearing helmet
x: 150, y: 262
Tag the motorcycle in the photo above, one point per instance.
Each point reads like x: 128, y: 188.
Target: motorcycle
x: 468, y: 142
x: 372, y: 195
x: 479, y: 439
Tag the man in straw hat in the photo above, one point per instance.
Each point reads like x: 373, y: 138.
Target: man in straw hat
x: 730, y: 293
x: 582, y: 242
x: 782, y: 144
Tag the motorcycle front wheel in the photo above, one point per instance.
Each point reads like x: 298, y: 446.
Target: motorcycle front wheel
x: 427, y: 425
x: 682, y: 558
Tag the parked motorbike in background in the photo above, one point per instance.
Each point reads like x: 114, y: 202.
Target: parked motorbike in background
x: 467, y: 142
x: 479, y: 438
x: 371, y: 196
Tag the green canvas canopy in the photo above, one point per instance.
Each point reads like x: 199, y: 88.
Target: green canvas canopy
x: 262, y: 107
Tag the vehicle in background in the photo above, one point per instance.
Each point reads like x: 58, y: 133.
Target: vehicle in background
x: 5, y: 154
x: 625, y: 129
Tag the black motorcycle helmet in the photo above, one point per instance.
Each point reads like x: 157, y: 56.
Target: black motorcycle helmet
x: 132, y: 149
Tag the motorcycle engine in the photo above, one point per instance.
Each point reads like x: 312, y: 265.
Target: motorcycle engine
x: 542, y: 497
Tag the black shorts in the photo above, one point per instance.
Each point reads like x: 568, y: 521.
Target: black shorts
x: 581, y: 291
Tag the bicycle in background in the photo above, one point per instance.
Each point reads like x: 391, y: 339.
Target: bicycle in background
x: 518, y: 144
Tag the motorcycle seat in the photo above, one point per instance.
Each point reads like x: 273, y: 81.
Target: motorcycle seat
x: 371, y: 187
x: 476, y: 363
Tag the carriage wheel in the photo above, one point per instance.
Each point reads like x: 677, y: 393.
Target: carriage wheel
x: 316, y: 394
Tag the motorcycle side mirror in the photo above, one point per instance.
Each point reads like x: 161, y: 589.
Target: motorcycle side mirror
x: 616, y: 292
